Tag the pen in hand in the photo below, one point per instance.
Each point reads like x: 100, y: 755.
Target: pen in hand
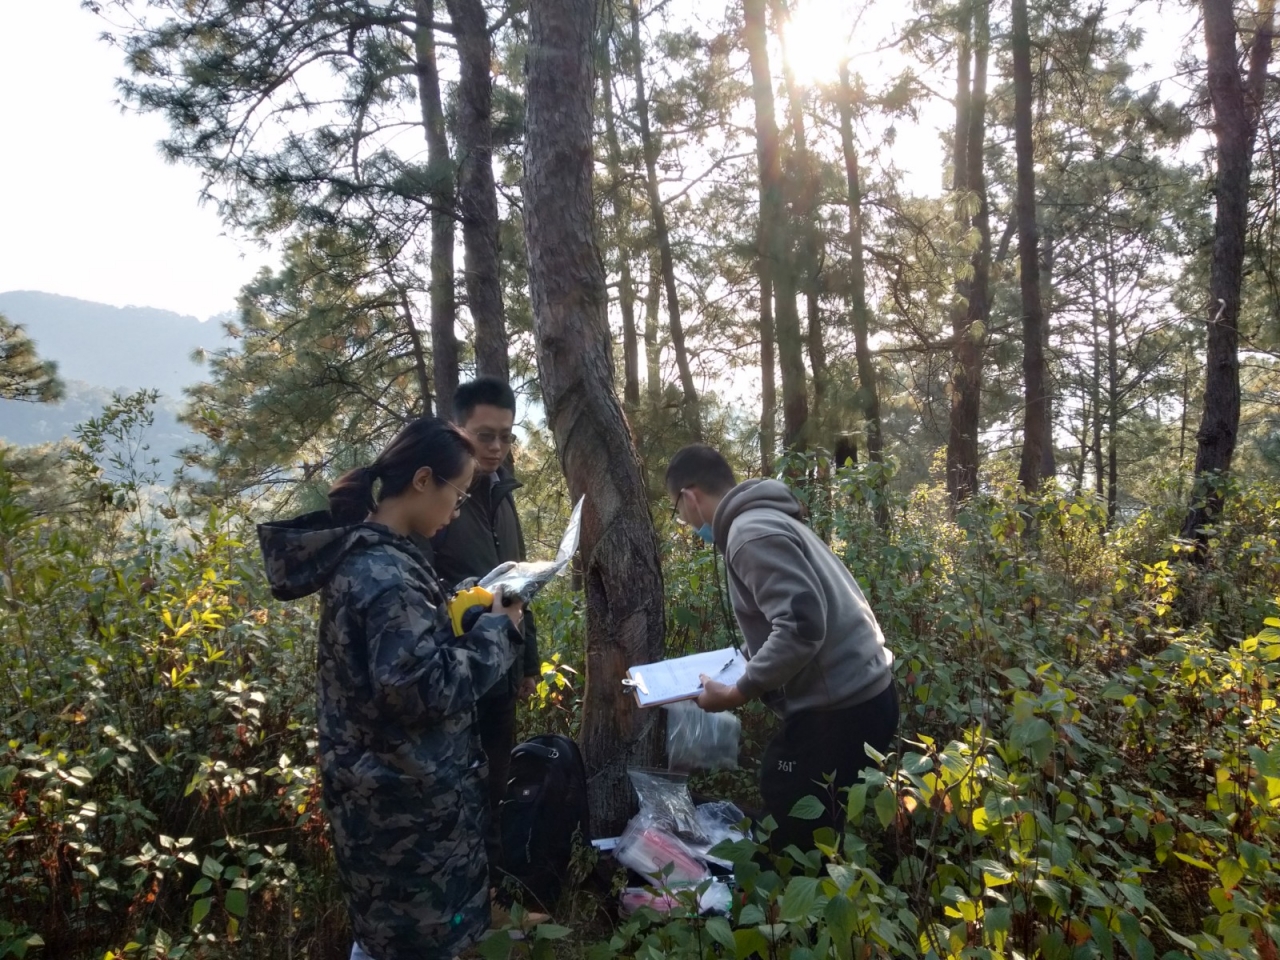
x: 719, y: 673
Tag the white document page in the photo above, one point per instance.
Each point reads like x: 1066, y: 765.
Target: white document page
x: 669, y: 680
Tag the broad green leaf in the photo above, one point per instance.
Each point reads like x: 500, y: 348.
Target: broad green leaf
x: 1230, y: 872
x: 496, y: 946
x: 721, y: 932
x: 237, y: 902
x: 200, y: 910
x: 856, y: 803
x: 886, y: 807
x: 750, y: 942
x: 808, y: 808
x: 800, y: 899
x: 994, y: 874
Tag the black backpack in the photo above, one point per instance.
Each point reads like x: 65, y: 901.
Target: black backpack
x: 544, y: 806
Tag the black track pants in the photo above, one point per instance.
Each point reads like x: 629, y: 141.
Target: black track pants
x: 818, y: 742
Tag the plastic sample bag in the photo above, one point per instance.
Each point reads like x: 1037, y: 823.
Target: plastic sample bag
x: 665, y: 802
x: 716, y: 898
x: 698, y: 740
x: 523, y: 580
x: 658, y: 854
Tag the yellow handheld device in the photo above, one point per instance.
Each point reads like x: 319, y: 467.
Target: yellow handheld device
x: 464, y: 600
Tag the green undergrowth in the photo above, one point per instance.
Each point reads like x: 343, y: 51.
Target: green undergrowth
x: 1087, y: 767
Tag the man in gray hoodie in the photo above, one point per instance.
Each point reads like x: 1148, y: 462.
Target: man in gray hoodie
x: 816, y: 655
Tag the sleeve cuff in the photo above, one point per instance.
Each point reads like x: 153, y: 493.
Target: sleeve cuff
x: 748, y: 687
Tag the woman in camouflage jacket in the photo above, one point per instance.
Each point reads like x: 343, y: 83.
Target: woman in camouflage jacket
x: 401, y: 767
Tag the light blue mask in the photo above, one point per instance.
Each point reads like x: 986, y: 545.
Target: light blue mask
x: 706, y: 533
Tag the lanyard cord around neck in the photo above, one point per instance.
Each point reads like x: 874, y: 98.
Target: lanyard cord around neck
x: 730, y: 624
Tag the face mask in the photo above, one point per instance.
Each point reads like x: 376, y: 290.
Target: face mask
x: 706, y: 533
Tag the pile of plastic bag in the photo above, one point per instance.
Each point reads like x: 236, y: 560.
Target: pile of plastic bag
x: 668, y: 843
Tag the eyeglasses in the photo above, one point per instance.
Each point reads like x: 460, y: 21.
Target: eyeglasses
x: 675, y: 507
x: 463, y: 496
x: 487, y: 438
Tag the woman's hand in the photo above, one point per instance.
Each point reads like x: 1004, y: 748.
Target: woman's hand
x: 514, y: 609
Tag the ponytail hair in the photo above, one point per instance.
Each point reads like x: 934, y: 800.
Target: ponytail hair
x: 351, y: 498
x: 427, y: 442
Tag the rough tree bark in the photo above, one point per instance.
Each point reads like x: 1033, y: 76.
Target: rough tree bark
x: 621, y: 191
x: 1049, y: 461
x: 619, y: 551
x: 444, y: 340
x: 1035, y: 419
x: 775, y: 236
x: 477, y: 192
x: 804, y: 182
x: 1236, y: 105
x: 419, y: 352
x: 652, y: 344
x: 969, y: 317
x: 662, y: 237
x: 867, y: 388
x: 768, y: 365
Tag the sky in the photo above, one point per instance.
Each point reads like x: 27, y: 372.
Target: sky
x: 89, y: 208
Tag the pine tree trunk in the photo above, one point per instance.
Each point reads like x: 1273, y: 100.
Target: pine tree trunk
x: 867, y: 388
x: 419, y: 353
x: 970, y: 316
x: 768, y: 363
x: 1113, y: 396
x: 804, y: 182
x: 652, y: 344
x: 622, y: 217
x: 1034, y: 418
x: 444, y: 340
x: 619, y: 549
x: 630, y: 338
x: 775, y: 232
x: 477, y: 192
x: 1095, y: 397
x: 1236, y: 105
x: 1048, y: 462
x: 692, y: 411
x: 1085, y: 416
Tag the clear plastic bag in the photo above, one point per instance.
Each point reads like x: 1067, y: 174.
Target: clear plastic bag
x: 716, y: 898
x: 665, y: 802
x: 525, y: 579
x: 698, y: 740
x: 655, y: 852
x: 718, y: 820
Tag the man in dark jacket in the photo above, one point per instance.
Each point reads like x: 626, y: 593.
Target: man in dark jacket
x: 486, y: 533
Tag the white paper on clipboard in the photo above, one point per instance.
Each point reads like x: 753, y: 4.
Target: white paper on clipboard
x: 667, y: 681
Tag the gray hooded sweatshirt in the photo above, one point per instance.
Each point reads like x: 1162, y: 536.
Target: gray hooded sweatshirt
x: 813, y: 641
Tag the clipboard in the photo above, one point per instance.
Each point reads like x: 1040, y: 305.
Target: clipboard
x: 667, y: 681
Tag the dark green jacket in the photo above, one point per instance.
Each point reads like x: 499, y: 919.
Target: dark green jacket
x: 402, y: 771
x: 486, y: 533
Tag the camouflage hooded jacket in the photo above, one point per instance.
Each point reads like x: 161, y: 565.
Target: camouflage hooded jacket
x: 400, y: 761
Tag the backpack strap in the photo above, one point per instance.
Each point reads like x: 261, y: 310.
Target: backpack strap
x: 535, y: 749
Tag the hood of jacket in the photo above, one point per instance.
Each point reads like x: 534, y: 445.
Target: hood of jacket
x: 763, y: 494
x: 303, y: 554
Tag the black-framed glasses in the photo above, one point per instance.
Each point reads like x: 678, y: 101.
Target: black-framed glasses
x: 487, y: 438
x: 675, y: 507
x: 463, y: 496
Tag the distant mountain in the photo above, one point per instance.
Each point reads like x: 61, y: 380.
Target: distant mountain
x: 100, y: 349
x: 114, y: 347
